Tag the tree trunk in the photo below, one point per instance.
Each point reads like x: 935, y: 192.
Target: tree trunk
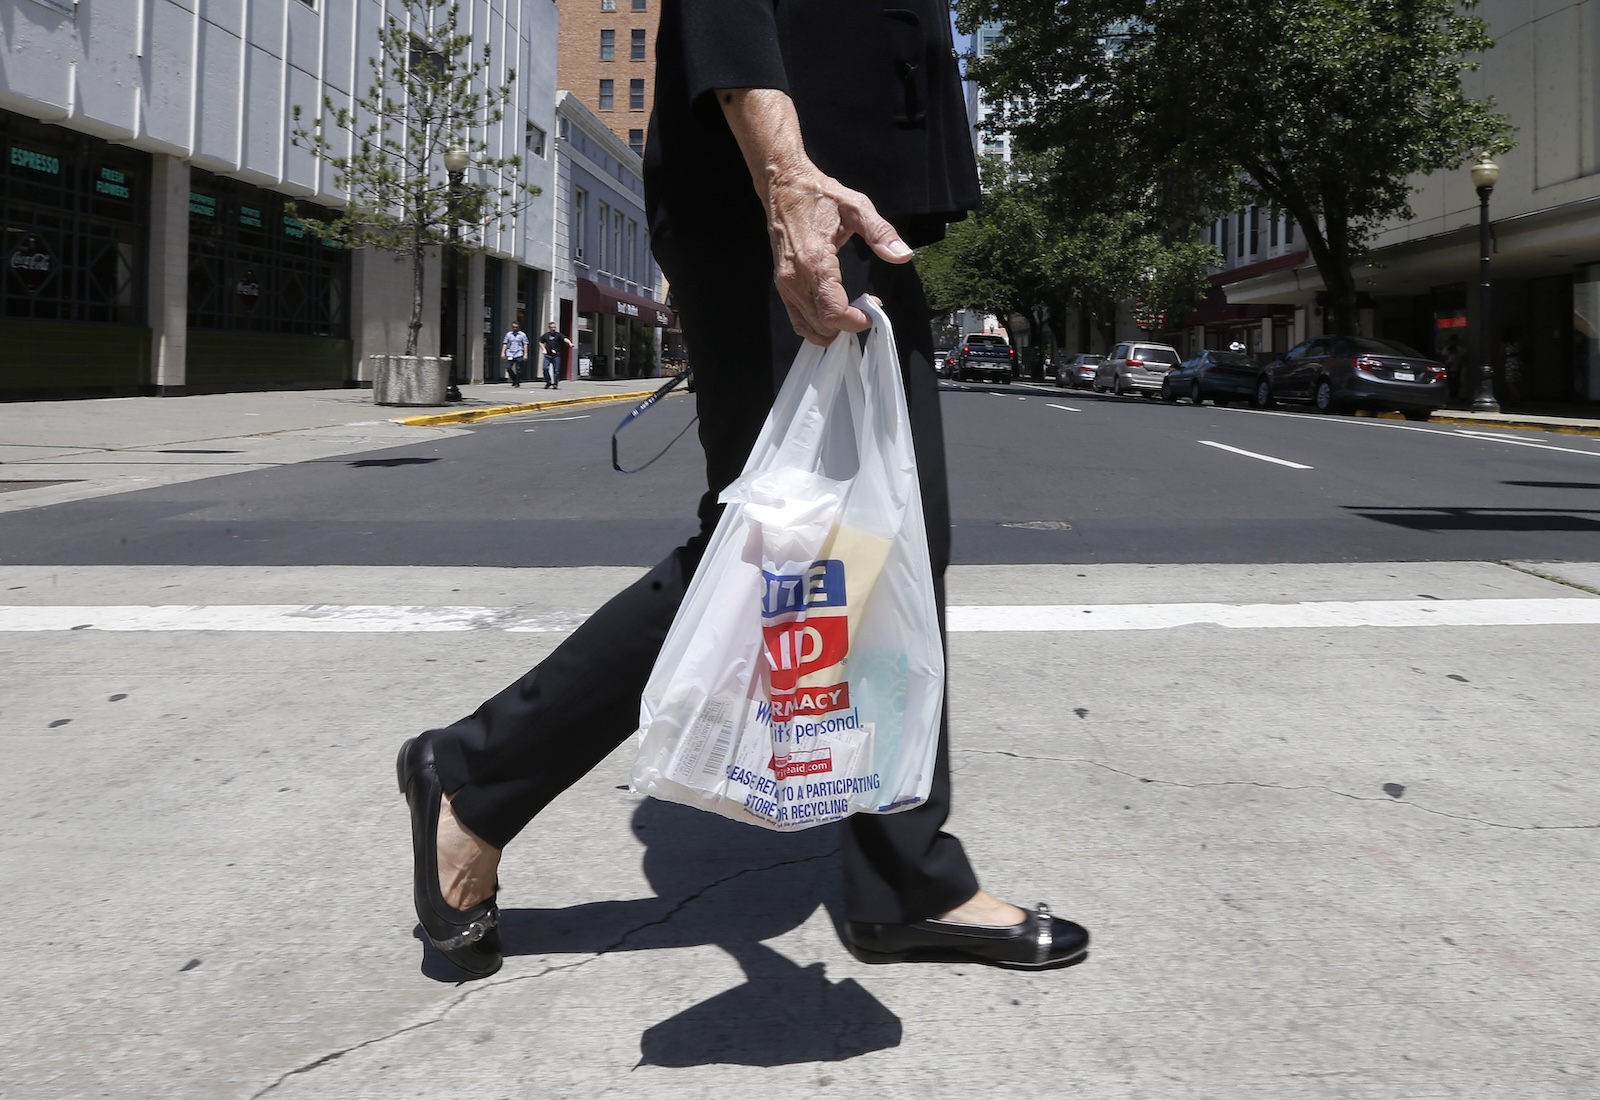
x: 1330, y: 251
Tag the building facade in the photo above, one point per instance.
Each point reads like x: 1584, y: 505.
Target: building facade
x: 608, y: 60
x: 606, y: 295
x: 150, y: 197
x: 1420, y: 284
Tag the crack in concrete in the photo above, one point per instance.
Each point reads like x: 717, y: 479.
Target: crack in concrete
x: 476, y: 988
x: 1551, y: 577
x: 1283, y: 787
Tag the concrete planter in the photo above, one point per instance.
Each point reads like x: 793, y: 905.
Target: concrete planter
x: 410, y: 379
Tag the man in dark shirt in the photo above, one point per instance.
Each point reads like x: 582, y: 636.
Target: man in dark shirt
x: 798, y: 150
x: 553, y: 341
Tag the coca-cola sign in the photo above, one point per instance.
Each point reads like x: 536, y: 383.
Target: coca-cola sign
x: 31, y: 263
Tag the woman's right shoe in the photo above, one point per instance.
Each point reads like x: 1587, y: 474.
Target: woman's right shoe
x: 470, y: 937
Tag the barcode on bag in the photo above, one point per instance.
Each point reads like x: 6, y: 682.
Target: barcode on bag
x: 703, y: 753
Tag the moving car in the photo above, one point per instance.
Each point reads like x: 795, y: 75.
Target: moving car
x: 984, y: 355
x: 1340, y: 373
x: 941, y: 362
x: 1078, y: 371
x: 1136, y: 368
x: 1223, y: 376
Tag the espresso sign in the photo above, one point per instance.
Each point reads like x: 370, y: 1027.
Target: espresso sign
x: 31, y: 263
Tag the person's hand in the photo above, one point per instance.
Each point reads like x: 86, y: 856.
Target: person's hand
x: 810, y: 216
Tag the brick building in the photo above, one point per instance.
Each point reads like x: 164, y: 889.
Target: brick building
x: 608, y: 60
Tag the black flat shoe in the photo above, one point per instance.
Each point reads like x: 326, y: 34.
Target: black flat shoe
x: 1041, y: 942
x: 470, y: 938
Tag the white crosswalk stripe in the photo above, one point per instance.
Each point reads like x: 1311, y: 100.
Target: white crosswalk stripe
x: 968, y: 619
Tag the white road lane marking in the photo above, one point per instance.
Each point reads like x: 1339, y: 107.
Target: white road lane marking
x: 1526, y: 443
x: 1063, y: 408
x: 1053, y: 618
x: 1252, y: 454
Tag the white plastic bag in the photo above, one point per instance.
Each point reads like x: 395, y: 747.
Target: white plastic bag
x: 803, y: 677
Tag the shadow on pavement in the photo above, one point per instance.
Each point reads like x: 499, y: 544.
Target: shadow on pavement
x: 721, y: 883
x: 1482, y: 519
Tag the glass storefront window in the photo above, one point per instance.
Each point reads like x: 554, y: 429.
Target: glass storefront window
x: 73, y: 226
x: 254, y: 267
x: 1586, y: 334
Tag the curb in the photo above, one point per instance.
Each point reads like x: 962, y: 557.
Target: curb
x: 467, y: 416
x: 1567, y: 428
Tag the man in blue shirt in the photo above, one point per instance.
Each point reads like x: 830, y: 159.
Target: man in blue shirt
x: 514, y: 350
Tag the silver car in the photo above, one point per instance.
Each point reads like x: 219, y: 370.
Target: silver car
x: 1136, y: 368
x: 1078, y: 371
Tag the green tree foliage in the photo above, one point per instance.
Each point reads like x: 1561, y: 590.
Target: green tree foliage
x: 429, y: 93
x: 1024, y: 248
x: 1325, y: 109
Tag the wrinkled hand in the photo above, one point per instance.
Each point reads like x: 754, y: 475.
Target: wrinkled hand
x: 810, y: 216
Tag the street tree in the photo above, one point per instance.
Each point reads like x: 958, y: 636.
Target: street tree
x: 1324, y: 109
x: 430, y: 95
x: 1024, y: 248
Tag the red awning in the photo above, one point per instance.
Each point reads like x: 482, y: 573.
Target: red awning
x: 595, y: 298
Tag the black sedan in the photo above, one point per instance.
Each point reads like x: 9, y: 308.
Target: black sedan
x: 1340, y: 373
x: 1223, y: 376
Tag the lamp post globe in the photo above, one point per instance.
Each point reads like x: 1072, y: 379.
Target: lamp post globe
x: 1485, y: 174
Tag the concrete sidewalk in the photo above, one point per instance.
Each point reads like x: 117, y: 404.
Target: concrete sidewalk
x: 1318, y: 863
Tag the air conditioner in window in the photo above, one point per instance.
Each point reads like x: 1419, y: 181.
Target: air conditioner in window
x: 578, y: 255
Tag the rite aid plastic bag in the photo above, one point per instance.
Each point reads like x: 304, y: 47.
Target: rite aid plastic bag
x: 803, y: 677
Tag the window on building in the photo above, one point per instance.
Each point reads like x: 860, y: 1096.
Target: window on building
x: 75, y: 229
x: 1223, y: 226
x: 580, y: 225
x: 636, y: 95
x: 1272, y: 228
x: 1238, y: 235
x: 1288, y: 231
x: 608, y: 92
x: 535, y: 140
x: 608, y: 5
x: 636, y: 141
x: 616, y: 239
x: 632, y: 254
x: 1255, y: 230
x: 640, y: 5
x: 603, y: 260
x: 636, y: 44
x: 254, y: 266
x: 608, y: 45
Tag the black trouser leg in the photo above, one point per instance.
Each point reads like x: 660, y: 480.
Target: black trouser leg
x: 524, y: 746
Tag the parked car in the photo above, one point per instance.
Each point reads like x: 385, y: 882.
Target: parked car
x: 1223, y: 376
x: 1135, y: 368
x: 941, y: 362
x: 1078, y: 371
x: 1340, y: 373
x: 984, y: 355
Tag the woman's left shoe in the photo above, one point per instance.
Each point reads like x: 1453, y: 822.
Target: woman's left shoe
x: 1040, y: 942
x: 469, y: 937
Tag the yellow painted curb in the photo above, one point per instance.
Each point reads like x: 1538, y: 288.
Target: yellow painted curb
x: 1522, y: 425
x: 467, y: 416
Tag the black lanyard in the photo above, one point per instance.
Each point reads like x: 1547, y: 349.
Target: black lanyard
x: 639, y: 410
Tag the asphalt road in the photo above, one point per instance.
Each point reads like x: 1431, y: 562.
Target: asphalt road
x: 1037, y: 476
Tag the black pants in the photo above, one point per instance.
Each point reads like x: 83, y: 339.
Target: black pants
x: 522, y: 748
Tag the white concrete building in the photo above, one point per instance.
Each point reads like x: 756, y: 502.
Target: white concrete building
x: 1421, y: 281
x: 147, y: 162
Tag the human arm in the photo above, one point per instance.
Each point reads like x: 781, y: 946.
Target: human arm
x: 810, y: 215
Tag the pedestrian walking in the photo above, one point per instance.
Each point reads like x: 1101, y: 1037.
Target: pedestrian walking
x: 798, y: 150
x: 553, y: 341
x: 514, y: 350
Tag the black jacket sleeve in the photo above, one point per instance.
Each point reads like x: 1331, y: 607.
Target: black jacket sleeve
x: 731, y: 44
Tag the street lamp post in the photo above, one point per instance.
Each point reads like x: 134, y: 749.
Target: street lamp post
x: 455, y: 163
x: 1485, y: 174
